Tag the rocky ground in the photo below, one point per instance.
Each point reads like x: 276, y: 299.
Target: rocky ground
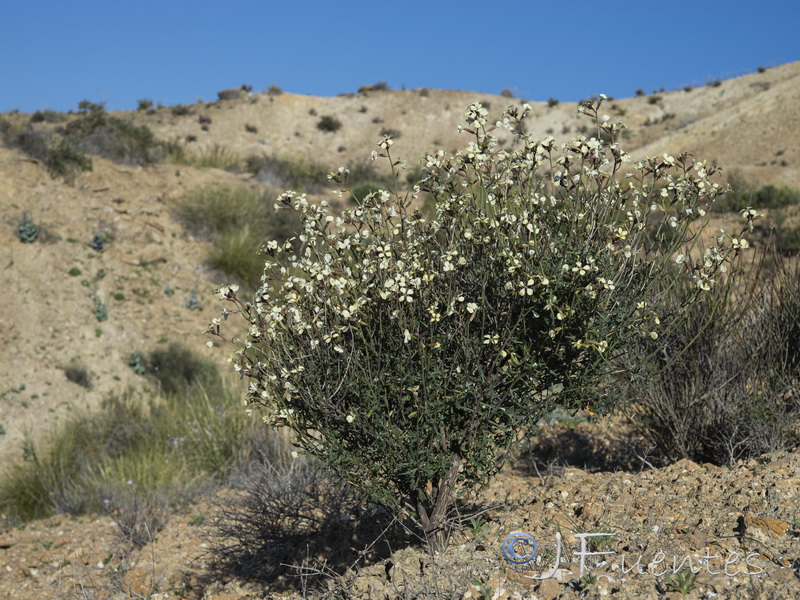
x: 738, y: 528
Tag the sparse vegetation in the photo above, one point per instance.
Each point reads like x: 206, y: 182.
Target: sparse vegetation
x: 683, y: 582
x: 214, y: 156
x: 743, y: 196
x: 100, y: 310
x: 47, y: 116
x: 181, y: 110
x: 237, y: 221
x: 78, y: 373
x: 725, y: 380
x: 329, y: 124
x: 284, y: 173
x: 96, y: 132
x: 172, y: 445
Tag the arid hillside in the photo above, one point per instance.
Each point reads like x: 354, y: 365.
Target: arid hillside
x: 115, y: 272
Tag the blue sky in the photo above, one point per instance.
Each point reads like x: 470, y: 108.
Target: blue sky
x: 53, y: 54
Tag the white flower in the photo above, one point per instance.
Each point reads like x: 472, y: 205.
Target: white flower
x: 471, y: 307
x: 406, y: 336
x: 349, y: 418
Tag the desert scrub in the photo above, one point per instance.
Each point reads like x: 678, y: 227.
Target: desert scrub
x: 237, y: 221
x: 329, y: 124
x: 61, y: 157
x: 184, y: 440
x: 96, y: 132
x: 724, y: 386
x: 767, y: 196
x: 408, y: 354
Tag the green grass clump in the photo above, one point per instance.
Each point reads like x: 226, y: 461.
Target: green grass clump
x: 175, y: 443
x: 237, y: 221
x: 360, y: 191
x: 288, y: 173
x: 767, y: 196
x: 215, y: 156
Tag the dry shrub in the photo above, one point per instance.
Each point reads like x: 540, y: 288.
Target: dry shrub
x: 724, y: 387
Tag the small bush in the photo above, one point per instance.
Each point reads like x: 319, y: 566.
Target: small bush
x: 768, y: 196
x: 552, y: 102
x: 360, y: 191
x: 179, y: 370
x: 274, y: 90
x: 181, y: 110
x: 288, y: 512
x: 507, y: 93
x: 79, y: 374
x: 62, y: 158
x: 284, y: 173
x: 215, y: 156
x: 48, y: 116
x: 27, y: 230
x: 409, y: 354
x: 234, y: 253
x: 725, y: 380
x: 329, y: 124
x: 144, y: 104
x: 66, y: 160
x: 133, y: 452
x: 238, y: 221
x: 96, y: 132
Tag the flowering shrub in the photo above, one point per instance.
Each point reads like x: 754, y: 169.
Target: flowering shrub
x: 407, y: 354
